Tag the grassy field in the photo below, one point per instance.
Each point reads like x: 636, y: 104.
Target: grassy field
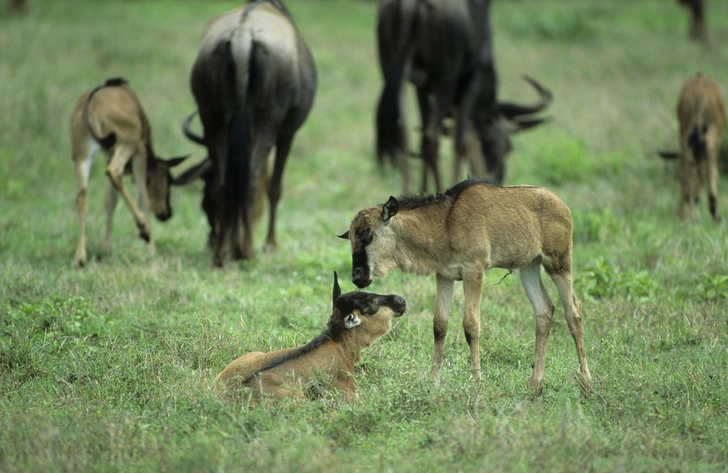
x: 110, y: 368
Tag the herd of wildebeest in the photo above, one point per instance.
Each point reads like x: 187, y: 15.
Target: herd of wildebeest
x: 254, y: 82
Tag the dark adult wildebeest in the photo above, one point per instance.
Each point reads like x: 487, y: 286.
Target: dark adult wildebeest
x: 110, y: 118
x: 254, y: 81
x: 444, y: 47
x: 358, y: 320
x: 458, y: 235
x: 701, y: 115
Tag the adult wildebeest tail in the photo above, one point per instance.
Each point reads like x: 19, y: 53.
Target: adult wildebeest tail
x: 394, y: 49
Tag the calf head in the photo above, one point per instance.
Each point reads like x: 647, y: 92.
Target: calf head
x: 372, y: 243
x: 367, y: 316
x: 159, y: 180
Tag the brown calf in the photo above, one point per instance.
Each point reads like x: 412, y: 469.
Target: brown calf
x: 110, y: 118
x: 701, y: 114
x: 357, y: 321
x: 461, y: 233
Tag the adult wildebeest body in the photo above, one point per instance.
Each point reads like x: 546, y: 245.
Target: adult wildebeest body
x: 444, y: 47
x: 110, y: 118
x: 358, y: 320
x: 701, y: 114
x: 254, y: 81
x: 458, y: 235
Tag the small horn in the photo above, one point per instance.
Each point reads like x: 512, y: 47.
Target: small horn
x: 189, y: 133
x: 512, y: 110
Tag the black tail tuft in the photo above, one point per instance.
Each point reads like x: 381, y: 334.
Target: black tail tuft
x: 115, y: 82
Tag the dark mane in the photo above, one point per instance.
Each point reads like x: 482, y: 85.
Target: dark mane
x: 332, y: 332
x: 411, y: 202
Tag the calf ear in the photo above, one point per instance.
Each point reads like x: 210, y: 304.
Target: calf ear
x: 390, y: 209
x: 351, y: 321
x: 345, y: 235
x: 337, y: 289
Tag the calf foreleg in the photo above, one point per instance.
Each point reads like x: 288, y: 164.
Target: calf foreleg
x: 712, y: 178
x: 442, y: 310
x: 84, y: 151
x: 472, y: 287
x: 111, y: 200
x: 543, y: 311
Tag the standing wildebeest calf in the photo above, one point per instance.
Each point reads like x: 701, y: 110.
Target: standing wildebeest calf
x: 445, y: 48
x: 357, y: 321
x: 254, y: 81
x: 701, y: 114
x: 110, y: 118
x: 461, y: 233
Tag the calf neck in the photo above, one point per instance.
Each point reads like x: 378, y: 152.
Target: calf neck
x: 458, y: 235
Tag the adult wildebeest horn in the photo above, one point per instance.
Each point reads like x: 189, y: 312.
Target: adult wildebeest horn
x: 669, y: 154
x: 196, y: 171
x: 189, y: 133
x: 512, y: 110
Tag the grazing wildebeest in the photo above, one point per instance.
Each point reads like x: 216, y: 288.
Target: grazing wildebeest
x: 357, y: 321
x: 701, y: 114
x: 110, y: 118
x: 444, y: 47
x: 458, y: 235
x: 698, y: 28
x: 254, y: 81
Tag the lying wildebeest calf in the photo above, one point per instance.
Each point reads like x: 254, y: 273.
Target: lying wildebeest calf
x: 701, y: 114
x: 110, y: 118
x: 357, y: 321
x: 461, y: 233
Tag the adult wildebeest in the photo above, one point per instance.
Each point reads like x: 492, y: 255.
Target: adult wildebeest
x: 701, y: 114
x: 444, y: 47
x: 110, y: 118
x: 461, y: 233
x: 358, y: 320
x: 254, y: 81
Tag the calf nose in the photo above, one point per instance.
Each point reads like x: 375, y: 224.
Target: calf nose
x: 358, y: 273
x: 400, y: 300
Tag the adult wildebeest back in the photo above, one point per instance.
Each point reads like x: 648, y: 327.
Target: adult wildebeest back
x: 358, y: 320
x: 110, y: 118
x: 254, y: 81
x: 701, y: 115
x: 458, y: 235
x: 444, y: 47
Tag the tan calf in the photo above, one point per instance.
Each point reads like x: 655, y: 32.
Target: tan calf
x: 701, y: 114
x: 110, y: 118
x: 458, y: 235
x: 357, y: 321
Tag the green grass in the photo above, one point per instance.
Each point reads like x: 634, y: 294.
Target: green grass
x: 110, y: 368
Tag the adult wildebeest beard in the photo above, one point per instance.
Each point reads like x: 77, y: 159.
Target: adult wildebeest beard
x: 254, y: 81
x: 458, y: 235
x: 444, y: 47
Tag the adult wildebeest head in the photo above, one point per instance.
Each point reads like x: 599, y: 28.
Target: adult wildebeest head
x: 701, y: 115
x: 444, y: 47
x: 110, y: 118
x: 358, y: 319
x: 254, y: 81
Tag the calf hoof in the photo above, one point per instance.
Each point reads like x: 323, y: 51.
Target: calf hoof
x: 536, y: 388
x: 80, y: 260
x: 585, y: 386
x: 144, y: 234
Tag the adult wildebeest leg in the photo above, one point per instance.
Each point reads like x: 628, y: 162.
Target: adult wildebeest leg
x: 83, y: 155
x: 259, y: 159
x: 112, y: 197
x: 543, y: 312
x: 283, y: 147
x: 463, y: 116
x: 115, y: 172
x: 472, y: 287
x: 564, y: 285
x: 439, y: 324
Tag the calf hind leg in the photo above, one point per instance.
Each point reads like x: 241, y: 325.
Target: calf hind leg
x: 576, y: 327
x: 442, y: 310
x: 543, y: 312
